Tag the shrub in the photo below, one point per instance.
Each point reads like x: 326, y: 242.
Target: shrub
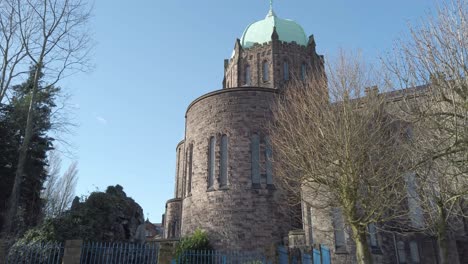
x: 197, y: 241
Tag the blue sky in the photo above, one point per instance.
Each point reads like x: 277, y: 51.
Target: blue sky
x: 154, y: 57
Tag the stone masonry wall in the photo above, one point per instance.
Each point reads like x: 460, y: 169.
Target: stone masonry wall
x: 275, y: 53
x: 173, y: 219
x: 239, y: 216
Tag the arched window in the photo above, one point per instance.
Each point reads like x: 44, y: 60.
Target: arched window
x: 211, y: 161
x: 190, y: 167
x: 303, y: 71
x: 247, y: 75
x: 266, y: 72
x: 223, y: 176
x: 285, y: 70
x: 268, y: 161
x: 255, y: 160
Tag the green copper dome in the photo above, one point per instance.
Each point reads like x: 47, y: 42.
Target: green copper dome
x: 260, y: 32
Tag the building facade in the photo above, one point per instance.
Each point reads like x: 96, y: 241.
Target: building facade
x: 224, y: 180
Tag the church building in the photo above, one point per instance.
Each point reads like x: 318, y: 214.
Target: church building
x: 225, y: 183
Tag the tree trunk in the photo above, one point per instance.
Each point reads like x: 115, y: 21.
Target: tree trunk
x: 13, y: 219
x: 442, y: 239
x: 363, y: 254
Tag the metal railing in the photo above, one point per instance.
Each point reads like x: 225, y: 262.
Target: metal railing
x: 219, y: 257
x: 116, y: 253
x: 36, y: 253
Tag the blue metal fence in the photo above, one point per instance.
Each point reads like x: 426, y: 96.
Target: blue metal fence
x: 36, y: 253
x: 316, y: 256
x: 119, y: 253
x: 326, y: 258
x: 219, y: 257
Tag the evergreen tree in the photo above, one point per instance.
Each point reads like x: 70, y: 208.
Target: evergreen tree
x: 12, y: 124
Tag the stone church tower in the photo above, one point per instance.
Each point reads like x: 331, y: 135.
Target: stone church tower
x: 225, y: 183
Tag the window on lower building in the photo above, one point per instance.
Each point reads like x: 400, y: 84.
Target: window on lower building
x: 339, y: 229
x: 255, y: 159
x: 373, y: 236
x: 223, y: 176
x: 211, y: 161
x: 414, y: 252
x: 401, y: 252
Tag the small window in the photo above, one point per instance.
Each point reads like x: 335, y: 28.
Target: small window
x: 266, y: 72
x: 339, y: 230
x: 414, y: 251
x: 286, y: 71
x: 373, y: 236
x: 401, y: 252
x: 303, y: 71
x: 211, y: 161
x: 223, y: 162
x: 268, y: 161
x: 247, y: 75
x: 255, y: 159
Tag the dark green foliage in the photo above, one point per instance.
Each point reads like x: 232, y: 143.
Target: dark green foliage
x: 197, y: 241
x: 103, y: 216
x: 12, y: 125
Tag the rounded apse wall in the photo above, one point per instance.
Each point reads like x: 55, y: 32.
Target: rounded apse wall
x: 230, y: 189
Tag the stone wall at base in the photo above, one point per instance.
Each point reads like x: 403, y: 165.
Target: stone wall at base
x: 167, y: 251
x: 72, y: 253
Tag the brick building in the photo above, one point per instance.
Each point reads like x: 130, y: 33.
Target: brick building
x: 224, y: 180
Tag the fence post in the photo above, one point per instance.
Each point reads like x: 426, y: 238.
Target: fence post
x: 72, y: 252
x: 3, y: 253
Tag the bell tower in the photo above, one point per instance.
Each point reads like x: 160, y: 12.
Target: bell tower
x: 270, y: 53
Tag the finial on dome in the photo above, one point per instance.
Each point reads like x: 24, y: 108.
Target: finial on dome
x: 271, y: 12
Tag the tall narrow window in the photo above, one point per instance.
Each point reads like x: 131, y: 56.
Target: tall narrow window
x: 373, y: 236
x: 286, y: 71
x: 266, y: 72
x: 414, y: 251
x: 190, y: 167
x: 414, y: 205
x: 338, y: 226
x: 247, y: 75
x: 211, y: 161
x: 268, y: 161
x: 223, y: 175
x: 309, y: 224
x: 303, y: 71
x: 255, y: 160
x: 401, y: 252
x: 184, y: 179
x: 177, y: 175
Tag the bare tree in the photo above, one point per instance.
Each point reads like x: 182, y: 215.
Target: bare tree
x: 55, y: 37
x: 11, y: 49
x: 59, y: 190
x: 436, y: 55
x: 343, y: 147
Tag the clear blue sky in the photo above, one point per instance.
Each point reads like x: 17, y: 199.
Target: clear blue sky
x: 154, y: 57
